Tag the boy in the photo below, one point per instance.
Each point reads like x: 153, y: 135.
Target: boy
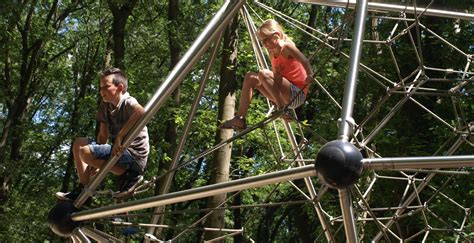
x: 117, y: 113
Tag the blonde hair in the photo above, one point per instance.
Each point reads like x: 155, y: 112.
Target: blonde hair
x: 270, y: 27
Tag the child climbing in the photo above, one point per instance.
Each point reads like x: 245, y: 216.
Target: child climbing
x: 286, y: 85
x: 117, y: 114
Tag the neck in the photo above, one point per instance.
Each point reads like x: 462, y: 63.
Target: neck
x: 117, y: 99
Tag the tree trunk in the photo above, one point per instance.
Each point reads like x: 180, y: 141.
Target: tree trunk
x: 121, y: 15
x: 85, y: 74
x: 171, y: 133
x: 220, y: 165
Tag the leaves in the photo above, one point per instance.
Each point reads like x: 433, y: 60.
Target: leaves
x: 50, y: 57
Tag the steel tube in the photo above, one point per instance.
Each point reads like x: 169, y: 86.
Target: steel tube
x: 99, y: 236
x: 309, y: 184
x: 345, y: 129
x: 428, y: 162
x: 196, y: 193
x: 80, y: 236
x: 394, y: 8
x: 166, y: 181
x: 263, y: 64
x: 176, y: 76
x: 413, y: 196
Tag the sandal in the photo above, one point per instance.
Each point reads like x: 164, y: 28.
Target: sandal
x: 287, y: 115
x: 287, y: 118
x: 237, y: 123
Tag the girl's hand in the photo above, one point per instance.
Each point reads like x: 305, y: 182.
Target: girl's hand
x: 117, y: 148
x: 308, y: 80
x: 278, y: 69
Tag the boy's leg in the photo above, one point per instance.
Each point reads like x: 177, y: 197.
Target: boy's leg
x: 81, y: 167
x: 87, y: 157
x: 131, y: 178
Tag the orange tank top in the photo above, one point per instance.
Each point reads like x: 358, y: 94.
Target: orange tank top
x: 292, y: 70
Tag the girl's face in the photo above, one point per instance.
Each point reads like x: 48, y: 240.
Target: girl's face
x: 270, y: 42
x: 109, y: 91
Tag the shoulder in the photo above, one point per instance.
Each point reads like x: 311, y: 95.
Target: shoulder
x: 130, y: 101
x: 288, y: 49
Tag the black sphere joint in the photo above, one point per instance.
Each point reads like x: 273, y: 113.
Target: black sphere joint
x: 59, y: 219
x: 339, y: 164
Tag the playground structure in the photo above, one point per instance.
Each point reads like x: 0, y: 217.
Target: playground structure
x: 350, y: 141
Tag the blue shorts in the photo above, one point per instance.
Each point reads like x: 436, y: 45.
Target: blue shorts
x: 297, y: 97
x: 103, y: 151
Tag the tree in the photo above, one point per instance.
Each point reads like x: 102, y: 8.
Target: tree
x: 30, y: 30
x: 121, y: 14
x: 227, y: 88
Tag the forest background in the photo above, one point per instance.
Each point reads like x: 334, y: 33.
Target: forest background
x: 52, y: 51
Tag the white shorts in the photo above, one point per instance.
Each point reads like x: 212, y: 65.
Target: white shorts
x: 297, y: 97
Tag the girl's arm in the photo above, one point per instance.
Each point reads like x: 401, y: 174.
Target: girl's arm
x: 290, y: 50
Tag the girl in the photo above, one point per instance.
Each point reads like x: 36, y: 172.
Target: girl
x: 291, y: 72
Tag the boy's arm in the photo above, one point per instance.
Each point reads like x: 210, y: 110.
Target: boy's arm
x: 138, y: 111
x: 103, y: 133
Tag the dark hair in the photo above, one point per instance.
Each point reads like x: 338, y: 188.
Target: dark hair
x: 119, y: 77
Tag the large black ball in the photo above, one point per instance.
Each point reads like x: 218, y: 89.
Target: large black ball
x: 59, y: 218
x: 339, y: 164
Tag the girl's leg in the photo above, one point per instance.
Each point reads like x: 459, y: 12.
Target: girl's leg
x: 250, y: 82
x: 276, y: 90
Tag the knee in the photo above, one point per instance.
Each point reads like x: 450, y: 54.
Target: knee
x: 79, y: 145
x: 79, y: 142
x: 265, y: 74
x: 251, y: 78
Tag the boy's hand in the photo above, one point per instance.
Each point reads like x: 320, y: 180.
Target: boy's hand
x: 117, y: 148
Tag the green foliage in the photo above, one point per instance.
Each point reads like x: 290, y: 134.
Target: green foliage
x: 62, y: 96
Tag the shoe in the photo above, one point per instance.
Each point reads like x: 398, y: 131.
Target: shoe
x: 70, y: 196
x: 127, y: 183
x: 237, y: 123
x: 287, y: 118
x: 73, y: 195
x: 287, y: 115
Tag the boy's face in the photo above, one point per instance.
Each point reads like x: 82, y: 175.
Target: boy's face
x: 109, y: 91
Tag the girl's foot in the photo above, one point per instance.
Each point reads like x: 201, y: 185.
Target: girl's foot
x: 287, y: 115
x: 236, y: 123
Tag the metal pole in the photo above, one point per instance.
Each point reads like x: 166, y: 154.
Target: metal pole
x: 345, y: 129
x: 309, y: 185
x: 79, y: 234
x: 262, y: 63
x: 346, y: 120
x: 197, y: 193
x: 428, y: 162
x: 167, y: 179
x: 419, y: 188
x: 176, y: 76
x: 394, y: 8
x: 345, y: 202
x: 99, y: 236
